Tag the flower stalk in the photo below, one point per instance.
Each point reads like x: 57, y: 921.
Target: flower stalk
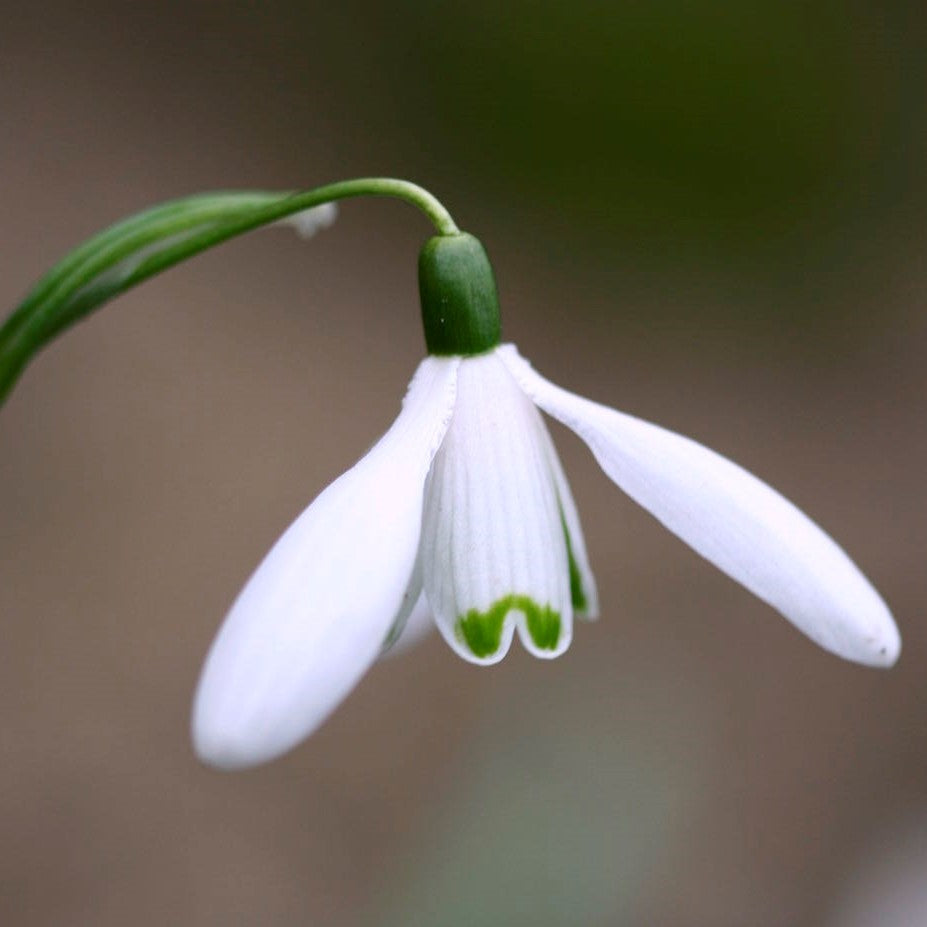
x: 145, y: 244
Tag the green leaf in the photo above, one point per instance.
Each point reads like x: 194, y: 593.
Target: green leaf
x: 122, y: 256
x: 141, y: 246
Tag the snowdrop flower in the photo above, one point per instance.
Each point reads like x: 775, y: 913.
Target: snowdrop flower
x: 462, y: 510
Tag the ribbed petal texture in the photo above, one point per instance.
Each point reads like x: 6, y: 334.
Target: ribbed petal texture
x: 494, y: 551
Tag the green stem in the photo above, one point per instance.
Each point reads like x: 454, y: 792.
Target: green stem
x: 386, y: 186
x: 143, y: 245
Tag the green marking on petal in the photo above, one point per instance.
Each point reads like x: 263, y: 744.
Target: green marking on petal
x: 481, y: 632
x: 543, y: 625
x: 577, y: 593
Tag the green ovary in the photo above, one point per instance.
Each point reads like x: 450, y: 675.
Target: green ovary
x: 482, y: 631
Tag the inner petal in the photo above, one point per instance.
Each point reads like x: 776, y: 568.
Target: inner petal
x: 494, y: 551
x: 583, y: 591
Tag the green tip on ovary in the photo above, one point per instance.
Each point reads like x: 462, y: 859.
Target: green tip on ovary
x: 460, y: 306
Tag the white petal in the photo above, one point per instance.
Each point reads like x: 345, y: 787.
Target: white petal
x: 313, y: 617
x: 310, y: 221
x: 493, y: 546
x: 733, y: 520
x: 582, y: 585
x: 418, y: 625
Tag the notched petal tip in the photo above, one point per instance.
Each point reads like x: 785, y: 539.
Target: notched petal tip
x: 481, y: 638
x: 484, y: 637
x: 542, y: 630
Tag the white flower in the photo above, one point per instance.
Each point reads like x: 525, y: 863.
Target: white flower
x: 462, y: 509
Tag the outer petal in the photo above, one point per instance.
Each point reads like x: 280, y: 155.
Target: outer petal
x: 313, y: 617
x: 494, y: 552
x: 732, y: 519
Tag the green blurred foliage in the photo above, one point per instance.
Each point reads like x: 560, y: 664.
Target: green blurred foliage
x: 769, y: 152
x: 758, y: 162
x: 668, y: 118
x: 560, y: 816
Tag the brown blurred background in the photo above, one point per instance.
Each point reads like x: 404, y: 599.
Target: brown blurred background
x: 709, y: 214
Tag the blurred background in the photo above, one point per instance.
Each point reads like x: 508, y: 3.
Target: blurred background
x: 709, y: 214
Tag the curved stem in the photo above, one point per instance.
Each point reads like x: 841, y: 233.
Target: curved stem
x: 387, y: 186
x: 141, y: 246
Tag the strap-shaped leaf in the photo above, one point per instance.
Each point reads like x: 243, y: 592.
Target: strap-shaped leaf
x: 141, y: 246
